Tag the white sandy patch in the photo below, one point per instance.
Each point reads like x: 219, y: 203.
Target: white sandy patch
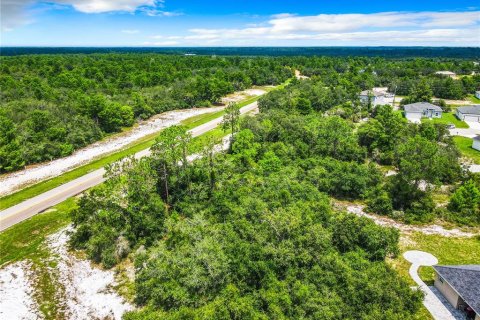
x: 16, y: 293
x: 14, y: 181
x: 88, y: 290
x: 429, y: 229
x: 242, y: 95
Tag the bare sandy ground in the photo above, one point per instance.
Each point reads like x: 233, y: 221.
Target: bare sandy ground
x: 82, y: 291
x: 429, y: 229
x: 242, y: 95
x: 33, y: 174
x: 16, y: 293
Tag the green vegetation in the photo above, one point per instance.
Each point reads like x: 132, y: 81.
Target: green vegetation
x: 250, y: 228
x: 24, y: 240
x: 448, y: 118
x: 465, y: 146
x: 36, y: 189
x: 52, y: 106
x: 474, y: 99
x: 448, y: 250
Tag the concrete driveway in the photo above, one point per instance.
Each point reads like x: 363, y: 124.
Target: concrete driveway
x: 468, y: 133
x: 474, y: 125
x: 438, y: 307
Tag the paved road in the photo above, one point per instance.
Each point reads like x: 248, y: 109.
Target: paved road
x: 31, y: 207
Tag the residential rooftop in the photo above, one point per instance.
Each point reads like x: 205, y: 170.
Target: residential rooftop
x: 421, y: 107
x: 473, y: 109
x: 465, y: 280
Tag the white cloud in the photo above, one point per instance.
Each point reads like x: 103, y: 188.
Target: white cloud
x: 369, y: 29
x: 100, y: 6
x: 130, y: 31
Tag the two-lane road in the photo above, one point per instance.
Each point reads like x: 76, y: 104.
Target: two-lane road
x: 32, y: 206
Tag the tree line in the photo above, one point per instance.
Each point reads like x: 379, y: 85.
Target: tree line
x: 52, y: 105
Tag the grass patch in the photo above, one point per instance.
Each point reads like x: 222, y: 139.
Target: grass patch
x: 465, y: 146
x: 448, y: 250
x: 44, y: 186
x: 200, y: 119
x: 448, y: 118
x: 24, y: 240
x: 474, y: 99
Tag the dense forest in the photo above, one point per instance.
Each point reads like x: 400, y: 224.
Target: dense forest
x: 336, y: 51
x: 53, y: 105
x: 250, y: 234
x: 257, y: 231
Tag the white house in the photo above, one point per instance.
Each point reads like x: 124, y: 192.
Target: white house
x: 418, y: 110
x: 446, y: 73
x: 469, y: 113
x: 476, y: 143
x: 477, y: 94
x: 460, y: 285
x: 374, y: 97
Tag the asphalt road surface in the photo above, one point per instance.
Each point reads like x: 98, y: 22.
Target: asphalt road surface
x: 37, y: 204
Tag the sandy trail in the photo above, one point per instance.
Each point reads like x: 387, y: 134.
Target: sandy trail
x: 429, y: 229
x: 33, y: 174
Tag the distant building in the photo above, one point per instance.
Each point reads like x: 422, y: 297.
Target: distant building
x: 468, y: 113
x: 460, y: 285
x: 414, y: 112
x: 476, y: 143
x: 477, y: 94
x: 446, y: 73
x: 374, y: 97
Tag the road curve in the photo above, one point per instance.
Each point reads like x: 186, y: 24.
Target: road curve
x: 37, y: 204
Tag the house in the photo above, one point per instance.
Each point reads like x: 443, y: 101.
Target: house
x: 476, y: 143
x: 469, y: 113
x: 415, y: 111
x: 460, y: 285
x: 446, y: 74
x: 373, y: 97
x: 477, y: 94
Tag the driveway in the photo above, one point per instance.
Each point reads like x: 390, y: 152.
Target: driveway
x: 474, y: 125
x: 438, y: 306
x: 468, y: 133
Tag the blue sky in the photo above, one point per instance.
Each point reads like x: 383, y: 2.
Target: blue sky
x: 239, y: 23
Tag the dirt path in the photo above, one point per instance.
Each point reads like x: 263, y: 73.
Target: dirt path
x: 428, y: 229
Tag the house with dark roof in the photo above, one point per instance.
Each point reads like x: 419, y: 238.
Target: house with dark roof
x: 460, y: 285
x: 469, y: 113
x: 418, y: 110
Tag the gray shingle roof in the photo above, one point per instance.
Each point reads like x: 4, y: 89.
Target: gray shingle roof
x: 476, y: 138
x: 420, y: 107
x: 473, y: 109
x: 465, y: 280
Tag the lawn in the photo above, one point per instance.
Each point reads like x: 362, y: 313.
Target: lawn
x: 465, y: 146
x: 448, y: 251
x: 474, y: 99
x: 24, y: 240
x: 448, y: 118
